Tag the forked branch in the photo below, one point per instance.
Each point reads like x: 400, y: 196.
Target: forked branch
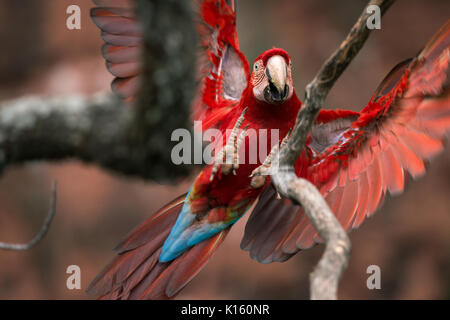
x: 325, y: 278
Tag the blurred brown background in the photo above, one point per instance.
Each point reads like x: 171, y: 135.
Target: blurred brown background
x: 409, y: 238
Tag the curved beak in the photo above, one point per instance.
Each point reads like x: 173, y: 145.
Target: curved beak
x: 276, y: 71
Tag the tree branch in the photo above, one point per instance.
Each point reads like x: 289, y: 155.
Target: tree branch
x: 325, y: 278
x: 133, y: 141
x: 42, y: 232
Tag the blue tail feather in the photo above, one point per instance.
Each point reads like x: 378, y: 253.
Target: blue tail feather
x: 185, y: 234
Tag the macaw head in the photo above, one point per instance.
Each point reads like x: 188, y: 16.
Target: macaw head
x: 271, y: 77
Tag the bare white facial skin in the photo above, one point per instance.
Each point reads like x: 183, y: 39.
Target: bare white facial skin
x: 273, y: 83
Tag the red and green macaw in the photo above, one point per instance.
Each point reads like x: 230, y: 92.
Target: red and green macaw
x: 354, y: 158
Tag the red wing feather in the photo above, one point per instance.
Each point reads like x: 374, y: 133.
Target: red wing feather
x: 122, y: 34
x: 355, y: 163
x: 224, y: 70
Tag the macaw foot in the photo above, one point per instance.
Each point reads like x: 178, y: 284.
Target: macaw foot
x: 259, y: 175
x: 228, y: 158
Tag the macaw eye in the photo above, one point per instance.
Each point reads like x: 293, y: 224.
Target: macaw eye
x: 256, y: 67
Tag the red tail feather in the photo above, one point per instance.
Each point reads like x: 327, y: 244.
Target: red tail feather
x: 136, y: 272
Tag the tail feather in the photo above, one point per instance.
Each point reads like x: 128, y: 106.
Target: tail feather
x: 168, y: 278
x: 159, y: 222
x: 193, y: 261
x: 148, y: 281
x: 139, y: 274
x: 136, y: 272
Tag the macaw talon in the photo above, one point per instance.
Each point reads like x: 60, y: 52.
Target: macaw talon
x: 228, y: 157
x: 237, y: 147
x: 259, y: 175
x: 258, y: 181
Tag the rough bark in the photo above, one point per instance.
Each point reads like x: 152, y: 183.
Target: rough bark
x: 325, y: 278
x: 132, y: 141
x: 136, y: 141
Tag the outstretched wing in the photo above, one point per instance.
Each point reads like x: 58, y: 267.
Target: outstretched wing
x: 223, y: 69
x: 123, y: 41
x: 355, y: 159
